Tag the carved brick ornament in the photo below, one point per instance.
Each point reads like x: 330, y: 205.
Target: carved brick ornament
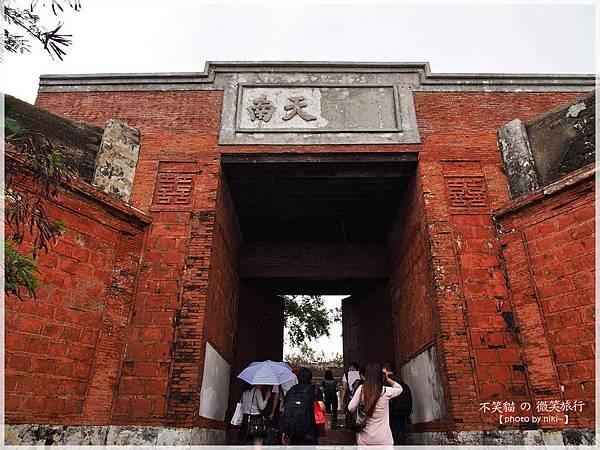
x: 173, y: 189
x: 467, y: 192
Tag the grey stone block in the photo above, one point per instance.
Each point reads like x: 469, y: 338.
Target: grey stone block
x: 504, y: 437
x: 206, y: 436
x: 553, y: 438
x: 518, y: 160
x: 117, y: 159
x: 579, y: 437
x: 38, y: 434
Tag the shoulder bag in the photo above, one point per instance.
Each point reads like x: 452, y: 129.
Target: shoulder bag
x: 319, y: 416
x: 358, y: 418
x: 256, y: 426
x: 238, y: 415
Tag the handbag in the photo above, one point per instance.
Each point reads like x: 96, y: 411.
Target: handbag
x: 256, y: 426
x: 358, y: 419
x: 238, y: 415
x: 319, y: 418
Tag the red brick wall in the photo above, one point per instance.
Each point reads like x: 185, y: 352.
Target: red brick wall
x: 259, y: 333
x: 63, y: 350
x: 458, y: 134
x: 177, y: 182
x: 410, y: 281
x: 548, y: 247
x: 223, y: 289
x: 367, y: 327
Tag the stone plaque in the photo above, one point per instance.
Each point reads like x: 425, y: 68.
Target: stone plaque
x: 317, y: 109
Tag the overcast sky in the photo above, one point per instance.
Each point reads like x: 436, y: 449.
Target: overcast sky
x: 329, y: 345
x: 181, y: 35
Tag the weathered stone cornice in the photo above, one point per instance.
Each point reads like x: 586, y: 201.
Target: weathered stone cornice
x: 421, y: 78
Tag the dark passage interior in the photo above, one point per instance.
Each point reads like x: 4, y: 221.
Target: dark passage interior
x: 320, y: 224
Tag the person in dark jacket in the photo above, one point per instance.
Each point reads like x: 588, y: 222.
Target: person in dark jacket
x: 315, y: 395
x: 400, y: 407
x: 330, y: 390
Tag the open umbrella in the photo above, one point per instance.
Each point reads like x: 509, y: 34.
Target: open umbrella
x: 267, y: 372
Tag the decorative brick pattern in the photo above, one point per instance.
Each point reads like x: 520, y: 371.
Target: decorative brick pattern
x: 174, y: 183
x: 466, y: 192
x: 173, y: 189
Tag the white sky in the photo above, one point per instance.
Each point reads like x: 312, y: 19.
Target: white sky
x: 180, y: 35
x: 328, y: 345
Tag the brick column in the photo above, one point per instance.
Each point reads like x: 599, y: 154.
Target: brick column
x: 111, y: 340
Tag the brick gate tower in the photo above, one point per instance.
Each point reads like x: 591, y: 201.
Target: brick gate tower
x: 456, y: 211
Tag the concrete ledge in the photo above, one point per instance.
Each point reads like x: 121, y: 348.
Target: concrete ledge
x: 505, y: 437
x: 574, y: 178
x: 37, y: 434
x: 426, y: 81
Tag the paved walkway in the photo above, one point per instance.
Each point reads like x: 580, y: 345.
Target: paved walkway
x: 337, y: 437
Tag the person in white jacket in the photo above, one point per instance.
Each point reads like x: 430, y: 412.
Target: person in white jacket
x: 253, y: 402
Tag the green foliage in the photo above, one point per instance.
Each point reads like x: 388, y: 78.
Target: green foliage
x: 306, y: 356
x: 19, y: 272
x: 307, y: 318
x: 19, y: 19
x: 60, y: 227
x: 12, y: 125
x: 35, y: 168
x: 35, y: 171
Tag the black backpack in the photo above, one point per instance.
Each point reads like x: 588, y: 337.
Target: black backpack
x: 298, y: 411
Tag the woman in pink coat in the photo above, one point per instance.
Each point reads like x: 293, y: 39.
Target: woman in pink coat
x: 375, y: 398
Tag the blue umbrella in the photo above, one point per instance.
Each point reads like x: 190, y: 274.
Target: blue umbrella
x: 267, y: 372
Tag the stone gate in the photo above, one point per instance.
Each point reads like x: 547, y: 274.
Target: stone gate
x: 381, y: 181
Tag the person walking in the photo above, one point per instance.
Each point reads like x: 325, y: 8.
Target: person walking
x: 253, y: 402
x: 348, y: 379
x: 375, y: 395
x: 280, y: 391
x: 299, y: 425
x: 400, y: 407
x: 330, y: 390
